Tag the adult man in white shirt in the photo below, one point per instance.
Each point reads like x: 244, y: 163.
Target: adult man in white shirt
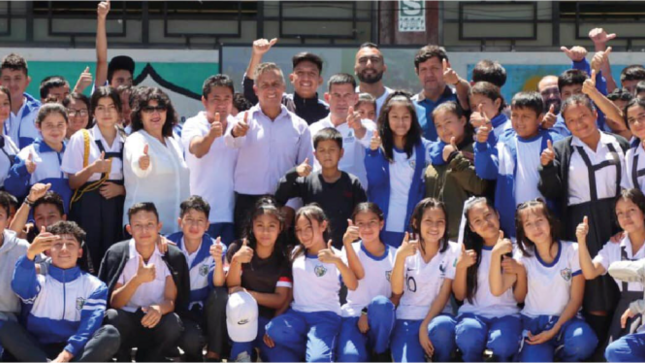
x: 211, y: 163
x: 369, y: 68
x: 271, y: 140
x: 342, y: 98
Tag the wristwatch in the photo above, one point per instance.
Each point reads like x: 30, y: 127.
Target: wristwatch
x: 364, y: 311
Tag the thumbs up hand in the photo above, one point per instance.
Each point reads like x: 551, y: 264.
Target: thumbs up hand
x: 216, y: 127
x: 241, y: 127
x: 503, y: 245
x: 408, y: 247
x: 583, y: 230
x: 216, y: 250
x: 304, y: 169
x: 589, y: 87
x: 101, y: 165
x: 548, y: 154
x: 145, y: 273
x: 244, y: 254
x: 327, y: 255
x: 600, y: 59
x: 84, y: 80
x: 450, y: 148
x: 449, y: 75
x: 144, y: 160
x: 479, y: 118
x: 576, y: 53
x: 549, y: 119
x: 352, y: 233
x: 261, y: 46
x: 375, y: 143
x: 30, y: 164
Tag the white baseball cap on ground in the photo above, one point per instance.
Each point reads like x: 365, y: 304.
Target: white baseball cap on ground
x: 242, y: 317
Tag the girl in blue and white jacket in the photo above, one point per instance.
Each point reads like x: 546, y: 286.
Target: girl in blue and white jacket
x: 395, y: 162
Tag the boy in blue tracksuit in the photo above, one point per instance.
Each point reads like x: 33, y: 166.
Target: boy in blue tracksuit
x: 63, y: 310
x: 514, y: 159
x: 205, y: 322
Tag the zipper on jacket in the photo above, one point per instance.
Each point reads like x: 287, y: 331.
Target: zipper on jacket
x: 64, y: 294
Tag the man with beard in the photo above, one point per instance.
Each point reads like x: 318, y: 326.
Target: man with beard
x: 548, y: 89
x: 433, y: 69
x: 305, y: 78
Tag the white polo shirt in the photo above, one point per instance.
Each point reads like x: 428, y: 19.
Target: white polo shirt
x: 315, y: 285
x: 212, y: 176
x: 149, y: 293
x: 75, y: 152
x: 353, y: 160
x: 611, y: 252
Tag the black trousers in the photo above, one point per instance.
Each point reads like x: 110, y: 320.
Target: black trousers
x: 22, y: 346
x: 244, y: 204
x: 152, y: 343
x: 206, y: 326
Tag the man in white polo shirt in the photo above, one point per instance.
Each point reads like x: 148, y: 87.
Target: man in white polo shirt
x: 271, y: 140
x: 342, y: 98
x: 211, y: 163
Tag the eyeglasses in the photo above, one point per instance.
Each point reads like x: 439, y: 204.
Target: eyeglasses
x: 74, y: 113
x: 151, y: 109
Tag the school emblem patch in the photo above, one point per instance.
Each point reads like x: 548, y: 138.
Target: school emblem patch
x: 80, y: 302
x: 442, y: 268
x: 412, y: 163
x: 566, y: 274
x: 320, y: 270
x: 203, y: 270
x: 388, y: 274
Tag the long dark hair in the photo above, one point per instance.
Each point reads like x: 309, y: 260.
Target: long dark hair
x: 633, y: 195
x: 526, y: 245
x: 417, y: 216
x: 140, y: 99
x: 265, y: 205
x: 414, y: 134
x: 475, y: 242
x: 310, y: 212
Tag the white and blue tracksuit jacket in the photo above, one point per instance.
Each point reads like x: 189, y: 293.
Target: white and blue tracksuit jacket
x: 201, y: 269
x: 64, y: 306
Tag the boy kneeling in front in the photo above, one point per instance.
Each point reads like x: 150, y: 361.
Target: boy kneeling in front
x: 63, y: 310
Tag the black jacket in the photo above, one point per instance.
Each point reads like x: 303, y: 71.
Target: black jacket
x: 117, y: 255
x: 554, y: 178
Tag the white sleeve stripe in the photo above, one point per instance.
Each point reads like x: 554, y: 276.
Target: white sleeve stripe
x: 284, y: 284
x: 92, y: 301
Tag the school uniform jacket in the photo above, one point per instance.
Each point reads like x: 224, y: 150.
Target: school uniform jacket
x: 62, y: 306
x: 22, y: 127
x: 554, y: 178
x: 116, y: 257
x: 378, y: 178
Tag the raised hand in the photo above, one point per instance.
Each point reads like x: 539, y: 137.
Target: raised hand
x: 216, y: 250
x: 449, y: 75
x: 548, y: 154
x: 37, y: 191
x: 101, y: 165
x: 244, y: 254
x: 216, y: 126
x: 582, y: 230
x: 145, y: 273
x: 576, y: 53
x: 84, y: 80
x: 328, y: 255
x: 352, y: 233
x: 375, y: 143
x: 589, y: 86
x: 408, y: 248
x: 600, y: 59
x: 354, y: 119
x: 261, y: 46
x: 466, y: 259
x: 503, y: 245
x: 479, y: 118
x: 449, y: 148
x: 30, y: 164
x: 41, y: 243
x: 144, y: 160
x: 549, y: 119
x: 600, y: 37
x: 103, y: 9
x: 242, y: 127
x: 304, y: 169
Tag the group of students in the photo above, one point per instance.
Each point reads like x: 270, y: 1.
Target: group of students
x: 372, y: 226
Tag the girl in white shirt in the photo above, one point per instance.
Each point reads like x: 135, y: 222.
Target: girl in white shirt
x: 423, y: 273
x: 550, y: 318
x: 630, y: 213
x: 96, y: 176
x: 309, y: 330
x: 154, y: 166
x: 635, y: 156
x: 369, y: 314
x: 485, y: 320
